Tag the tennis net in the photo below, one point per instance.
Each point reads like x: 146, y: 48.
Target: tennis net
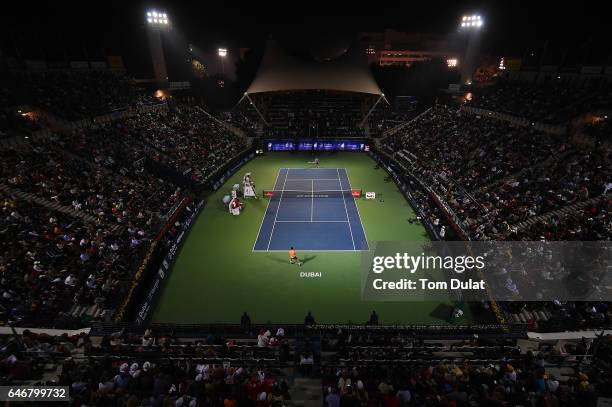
x: 289, y: 194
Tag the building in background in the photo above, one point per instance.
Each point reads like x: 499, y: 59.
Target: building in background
x: 390, y: 47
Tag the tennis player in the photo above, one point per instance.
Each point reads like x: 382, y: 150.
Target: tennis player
x: 315, y: 162
x: 293, y: 257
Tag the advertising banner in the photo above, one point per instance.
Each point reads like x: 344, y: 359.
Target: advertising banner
x: 163, y: 272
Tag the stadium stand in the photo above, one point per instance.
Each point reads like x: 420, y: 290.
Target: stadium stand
x: 485, y: 178
x: 75, y: 95
x: 83, y: 204
x: 366, y: 368
x: 298, y: 113
x: 85, y: 208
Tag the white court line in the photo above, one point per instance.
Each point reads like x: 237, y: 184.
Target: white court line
x: 312, y: 179
x: 312, y: 221
x: 315, y: 192
x: 277, y: 209
x: 318, y: 251
x: 345, y: 208
x: 358, y: 214
x: 266, y: 211
x: 312, y: 200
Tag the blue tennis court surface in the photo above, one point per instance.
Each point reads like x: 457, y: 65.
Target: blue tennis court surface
x: 311, y: 209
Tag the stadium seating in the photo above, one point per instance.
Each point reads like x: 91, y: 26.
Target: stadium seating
x: 484, y: 169
x: 319, y: 114
x: 83, y: 205
x: 74, y: 95
x: 370, y: 368
x: 545, y: 101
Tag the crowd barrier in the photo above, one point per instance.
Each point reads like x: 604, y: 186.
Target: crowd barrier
x: 155, y: 268
x: 408, y: 194
x: 237, y: 331
x: 155, y: 287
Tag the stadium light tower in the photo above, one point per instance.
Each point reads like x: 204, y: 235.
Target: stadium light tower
x: 222, y: 52
x: 157, y: 23
x: 472, y: 25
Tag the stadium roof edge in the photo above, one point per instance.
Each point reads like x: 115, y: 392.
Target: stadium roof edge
x: 280, y: 71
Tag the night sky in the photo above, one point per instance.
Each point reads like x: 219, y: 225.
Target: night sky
x: 76, y: 30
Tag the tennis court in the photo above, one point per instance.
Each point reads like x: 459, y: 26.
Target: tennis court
x: 312, y: 209
x: 217, y: 275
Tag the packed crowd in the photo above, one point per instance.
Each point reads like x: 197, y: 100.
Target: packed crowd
x: 384, y: 117
x: 547, y: 101
x: 557, y: 316
x: 398, y: 370
x: 243, y: 118
x: 129, y: 200
x: 314, y: 114
x: 495, y: 175
x: 83, y: 205
x: 376, y: 369
x: 498, y: 181
x: 184, y: 139
x: 102, y: 372
x: 54, y: 261
x: 111, y: 203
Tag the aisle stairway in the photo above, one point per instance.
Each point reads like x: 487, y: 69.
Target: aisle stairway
x: 306, y: 392
x: 28, y: 197
x: 560, y: 212
x: 234, y: 130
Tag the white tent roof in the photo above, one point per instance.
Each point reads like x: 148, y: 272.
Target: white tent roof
x: 280, y: 71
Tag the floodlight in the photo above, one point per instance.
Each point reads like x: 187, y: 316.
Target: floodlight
x: 157, y: 19
x: 222, y: 52
x: 474, y: 20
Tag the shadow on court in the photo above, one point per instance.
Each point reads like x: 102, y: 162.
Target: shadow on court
x: 308, y: 258
x: 278, y: 259
x: 286, y: 259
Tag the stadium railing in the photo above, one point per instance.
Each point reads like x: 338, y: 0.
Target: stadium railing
x: 155, y: 268
x: 437, y: 332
